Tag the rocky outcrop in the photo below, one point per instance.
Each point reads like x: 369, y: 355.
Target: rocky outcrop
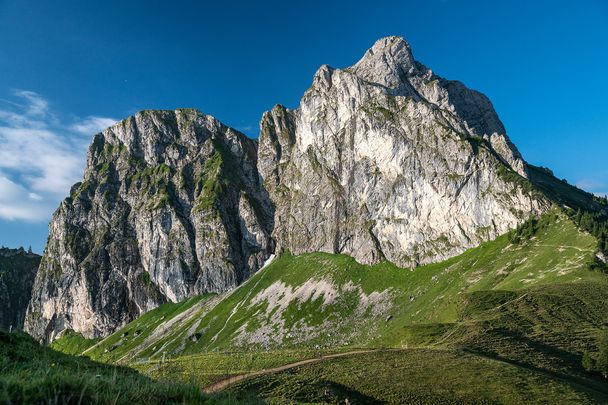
x: 17, y: 273
x: 171, y: 206
x: 387, y: 160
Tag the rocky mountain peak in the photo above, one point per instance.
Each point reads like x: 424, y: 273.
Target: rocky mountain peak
x: 387, y: 160
x: 18, y: 269
x: 387, y: 62
x: 170, y: 206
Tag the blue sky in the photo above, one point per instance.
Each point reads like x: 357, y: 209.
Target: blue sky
x: 69, y: 68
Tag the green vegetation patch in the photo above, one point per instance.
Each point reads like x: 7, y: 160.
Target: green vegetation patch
x: 415, y: 376
x: 72, y: 342
x: 33, y: 374
x: 131, y: 336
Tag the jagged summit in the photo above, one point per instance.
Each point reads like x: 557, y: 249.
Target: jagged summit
x: 387, y: 160
x: 387, y: 62
x: 148, y: 133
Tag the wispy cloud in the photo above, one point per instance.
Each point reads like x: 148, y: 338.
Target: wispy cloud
x: 594, y: 186
x: 40, y: 156
x: 16, y: 202
x: 92, y: 125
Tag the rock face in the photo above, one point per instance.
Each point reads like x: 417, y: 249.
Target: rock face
x: 17, y: 273
x: 386, y: 160
x: 171, y: 206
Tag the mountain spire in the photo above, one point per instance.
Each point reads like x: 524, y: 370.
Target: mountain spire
x: 386, y: 62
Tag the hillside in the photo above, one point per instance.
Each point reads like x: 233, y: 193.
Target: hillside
x: 33, y: 374
x: 330, y: 300
x: 524, y: 306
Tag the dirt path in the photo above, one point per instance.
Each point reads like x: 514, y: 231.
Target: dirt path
x: 226, y: 382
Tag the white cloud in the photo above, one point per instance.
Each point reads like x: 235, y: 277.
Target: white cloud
x: 36, y: 105
x: 18, y: 203
x: 40, y: 157
x: 92, y: 125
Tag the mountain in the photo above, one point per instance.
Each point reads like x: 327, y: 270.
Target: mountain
x: 387, y: 160
x: 170, y: 206
x: 382, y: 161
x: 17, y: 273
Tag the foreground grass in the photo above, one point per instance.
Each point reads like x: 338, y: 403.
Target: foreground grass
x: 30, y: 373
x: 418, y: 376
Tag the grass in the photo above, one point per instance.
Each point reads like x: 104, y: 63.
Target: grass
x: 520, y: 310
x: 204, y: 369
x: 30, y: 373
x: 419, y: 376
x: 71, y: 342
x: 134, y: 334
x: 359, y: 305
x: 209, y: 183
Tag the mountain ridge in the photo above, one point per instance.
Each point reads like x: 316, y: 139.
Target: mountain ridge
x: 383, y: 160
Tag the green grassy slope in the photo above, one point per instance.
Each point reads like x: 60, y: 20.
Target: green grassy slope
x: 327, y: 301
x: 72, y: 342
x: 134, y: 336
x: 416, y: 376
x: 33, y: 374
x: 518, y: 311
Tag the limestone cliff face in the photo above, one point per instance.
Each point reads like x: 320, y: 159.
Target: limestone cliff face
x: 386, y: 160
x: 171, y: 205
x: 17, y: 273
